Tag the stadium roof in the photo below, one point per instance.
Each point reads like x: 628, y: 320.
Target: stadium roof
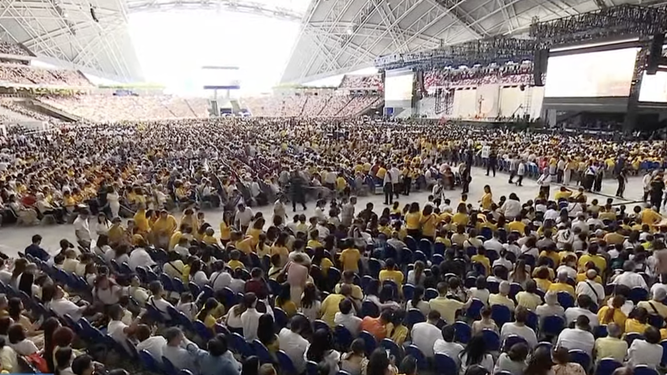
x: 68, y: 31
x: 338, y: 36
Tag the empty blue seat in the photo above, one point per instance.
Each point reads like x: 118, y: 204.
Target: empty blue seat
x: 238, y: 344
x: 565, y: 299
x: 474, y: 310
x: 501, y: 314
x: 151, y: 364
x: 261, y: 351
x: 413, y: 317
x: 394, y: 349
x: 552, y: 325
x: 606, y: 366
x: 413, y: 350
x: 512, y: 340
x: 445, y: 365
x: 463, y: 332
x: 285, y: 363
x: 600, y: 331
x: 168, y: 367
x: 408, y: 291
x: 580, y: 357
x: 638, y: 294
x: 430, y: 293
x: 663, y: 343
x: 369, y: 342
x: 492, y: 340
x: 202, y: 331
x: 426, y: 247
x: 369, y: 308
x: 644, y: 370
x: 374, y: 267
x: 342, y: 338
x: 411, y: 243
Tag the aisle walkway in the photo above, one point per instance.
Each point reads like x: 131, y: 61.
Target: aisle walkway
x: 14, y: 239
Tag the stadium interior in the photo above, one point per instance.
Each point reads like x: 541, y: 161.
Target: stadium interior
x: 333, y: 187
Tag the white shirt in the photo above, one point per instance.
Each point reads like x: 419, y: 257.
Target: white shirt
x: 81, y: 229
x: 220, y: 280
x: 523, y: 331
x: 294, y: 346
x: 395, y: 175
x: 116, y: 329
x: 200, y: 278
x: 154, y: 346
x: 26, y: 347
x: 575, y: 338
x: 511, y: 208
x: 493, y: 244
x: 631, y: 280
x: 139, y: 257
x: 551, y: 214
x: 161, y: 305
x: 503, y: 262
x: 571, y: 272
x: 424, y: 335
x: 349, y: 321
x: 643, y: 353
x: 64, y: 306
x: 250, y: 322
x: 586, y: 287
x: 244, y: 217
x: 452, y: 349
x: 572, y: 313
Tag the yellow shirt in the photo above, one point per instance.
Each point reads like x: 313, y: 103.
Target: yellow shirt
x: 483, y: 260
x: 412, y: 220
x: 517, y: 226
x: 234, y: 264
x: 254, y: 234
x: 210, y: 240
x: 314, y: 244
x: 245, y: 245
x: 543, y: 284
x: 528, y: 300
x: 562, y: 194
x: 350, y: 259
x: 618, y: 317
x: 381, y: 172
x: 599, y: 262
x: 141, y: 221
x: 460, y: 218
x: 395, y: 276
x: 650, y: 217
x: 116, y: 233
x: 582, y: 277
x: 341, y: 184
x: 428, y: 225
x: 330, y: 308
x: 633, y: 325
x: 225, y: 232
x: 487, y: 200
x: 399, y: 334
x: 561, y: 287
x: 611, y: 347
x: 165, y: 226
x: 173, y: 241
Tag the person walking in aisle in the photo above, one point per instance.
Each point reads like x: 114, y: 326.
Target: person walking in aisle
x: 622, y: 178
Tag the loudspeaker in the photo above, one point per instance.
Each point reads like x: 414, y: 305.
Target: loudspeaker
x: 540, y: 65
x: 655, y: 54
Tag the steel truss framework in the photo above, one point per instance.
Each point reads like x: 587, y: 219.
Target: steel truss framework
x: 65, y: 32
x: 338, y: 36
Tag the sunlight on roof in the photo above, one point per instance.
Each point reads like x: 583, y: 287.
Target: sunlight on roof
x: 173, y: 46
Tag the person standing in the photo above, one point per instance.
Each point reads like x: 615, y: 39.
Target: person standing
x: 622, y: 178
x: 491, y: 164
x: 514, y: 163
x: 465, y: 179
x: 388, y: 188
x: 298, y: 195
x: 657, y: 188
x: 520, y: 171
x: 646, y: 183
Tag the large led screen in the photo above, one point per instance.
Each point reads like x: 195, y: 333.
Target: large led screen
x: 592, y: 74
x: 654, y: 88
x: 398, y: 86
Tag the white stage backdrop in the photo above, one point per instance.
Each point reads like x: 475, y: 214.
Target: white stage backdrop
x: 510, y: 100
x: 487, y: 99
x: 465, y: 104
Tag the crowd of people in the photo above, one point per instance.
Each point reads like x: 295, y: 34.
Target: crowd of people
x: 553, y: 285
x: 9, y: 48
x: 33, y: 75
x: 511, y: 74
x: 323, y: 105
x: 100, y: 108
x: 366, y: 82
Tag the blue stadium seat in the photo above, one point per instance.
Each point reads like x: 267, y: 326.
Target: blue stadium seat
x: 493, y: 287
x: 501, y: 314
x: 632, y: 336
x: 374, y: 267
x: 512, y: 340
x: 151, y: 364
x: 445, y: 365
x: 394, y: 349
x: 321, y: 324
x: 638, y: 294
x: 408, y: 291
x: 532, y: 320
x: 369, y: 308
x: 644, y: 370
x: 369, y: 342
x: 238, y: 344
x: 426, y: 247
x: 285, y: 363
x: 606, y: 366
x: 552, y: 325
x: 169, y: 368
x: 600, y: 331
x: 261, y: 351
x: 474, y: 311
x: 413, y: 350
x: 342, y: 338
x: 439, y: 248
x: 463, y: 332
x: 413, y: 317
x: 492, y: 340
x: 202, y: 331
x: 430, y: 293
x: 580, y: 357
x: 565, y: 299
x: 411, y: 243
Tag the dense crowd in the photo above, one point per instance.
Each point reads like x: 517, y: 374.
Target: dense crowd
x: 366, y: 82
x: 514, y: 74
x: 12, y: 49
x: 556, y: 285
x: 32, y: 75
x: 101, y: 108
x: 325, y: 105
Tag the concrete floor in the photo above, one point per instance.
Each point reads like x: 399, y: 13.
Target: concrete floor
x: 14, y: 239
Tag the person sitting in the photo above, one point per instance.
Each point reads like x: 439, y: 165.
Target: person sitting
x: 637, y: 321
x: 347, y: 318
x: 446, y: 344
x: 152, y: 344
x: 514, y: 361
x: 377, y: 326
x: 591, y: 287
x: 293, y: 343
x: 355, y: 360
x: 655, y: 306
x: 502, y: 297
x: 629, y: 277
x: 550, y: 306
x: 485, y: 323
x: 578, y: 337
x: 519, y: 327
x: 175, y: 352
x: 561, y: 284
x: 424, y: 335
x: 563, y: 366
x: 611, y: 346
x: 646, y: 351
x: 584, y: 304
x: 529, y: 298
x: 476, y: 353
x: 321, y: 351
x: 614, y: 313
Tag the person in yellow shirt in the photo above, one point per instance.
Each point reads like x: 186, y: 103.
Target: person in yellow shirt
x: 562, y: 193
x: 332, y: 304
x: 235, y: 262
x: 592, y: 256
x: 209, y: 237
x: 163, y: 228
x: 561, y: 284
x: 487, y: 199
x: 637, y: 322
x: 542, y: 279
x: 141, y: 221
x: 225, y: 228
x: 608, y: 314
x: 189, y: 218
x: 461, y: 216
x: 314, y: 243
x: 517, y: 226
x: 255, y: 230
x: 173, y: 241
x: 413, y: 220
x: 245, y: 245
x: 650, y: 216
x: 391, y: 273
x: 280, y: 247
x: 350, y: 259
x: 206, y: 313
x: 481, y: 258
x: 116, y: 232
x: 428, y: 221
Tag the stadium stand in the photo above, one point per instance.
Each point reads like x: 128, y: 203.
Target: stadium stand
x: 369, y: 82
x: 12, y: 49
x: 335, y: 104
x: 514, y: 74
x: 31, y: 75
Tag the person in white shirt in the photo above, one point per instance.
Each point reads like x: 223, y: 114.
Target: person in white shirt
x: 219, y: 278
x: 503, y: 261
x: 118, y: 330
x: 519, y: 327
x: 139, y: 257
x: 493, y: 243
x: 578, y: 337
x: 446, y: 345
x: 424, y: 335
x: 175, y: 350
x: 647, y: 351
x: 157, y: 301
x: 591, y: 288
x: 347, y: 318
x: 62, y: 306
x: 250, y: 317
x: 584, y: 303
x: 512, y: 207
x: 82, y: 229
x: 293, y: 344
x: 243, y: 217
x: 629, y: 277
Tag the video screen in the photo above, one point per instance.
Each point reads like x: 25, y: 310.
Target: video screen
x: 654, y: 88
x: 398, y: 87
x: 593, y: 74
